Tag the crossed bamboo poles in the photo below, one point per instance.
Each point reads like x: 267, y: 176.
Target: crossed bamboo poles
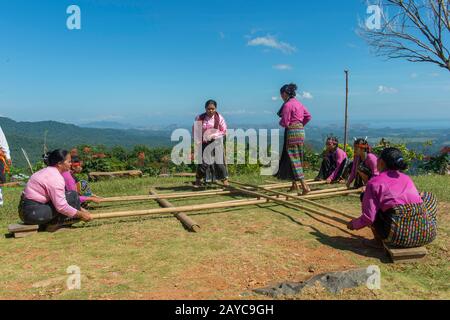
x: 244, y: 189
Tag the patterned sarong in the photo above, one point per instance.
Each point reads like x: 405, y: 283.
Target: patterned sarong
x: 414, y: 225
x: 295, y: 148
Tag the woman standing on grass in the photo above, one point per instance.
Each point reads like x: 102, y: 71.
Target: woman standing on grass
x: 45, y: 201
x: 393, y: 208
x: 212, y: 129
x: 294, y: 117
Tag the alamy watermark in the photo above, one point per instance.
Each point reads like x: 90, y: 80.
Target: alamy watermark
x: 73, y: 282
x: 373, y: 22
x: 210, y: 148
x: 374, y: 279
x: 74, y: 20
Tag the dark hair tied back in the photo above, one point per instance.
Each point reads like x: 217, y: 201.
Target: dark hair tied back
x: 394, y: 160
x: 54, y: 157
x: 213, y: 102
x: 290, y: 90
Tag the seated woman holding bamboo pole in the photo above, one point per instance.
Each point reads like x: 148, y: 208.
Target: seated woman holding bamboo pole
x: 45, y: 201
x: 393, y: 208
x: 294, y: 117
x: 334, y: 162
x: 210, y: 129
x: 364, y: 165
x: 81, y: 187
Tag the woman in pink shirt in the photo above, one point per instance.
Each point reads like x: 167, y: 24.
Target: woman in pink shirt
x: 364, y: 165
x: 334, y: 162
x: 294, y: 117
x: 45, y: 201
x: 80, y: 187
x: 210, y: 129
x: 394, y: 209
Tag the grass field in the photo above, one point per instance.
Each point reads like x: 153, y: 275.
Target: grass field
x: 237, y: 250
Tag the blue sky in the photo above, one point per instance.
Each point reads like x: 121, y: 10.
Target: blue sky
x: 157, y: 62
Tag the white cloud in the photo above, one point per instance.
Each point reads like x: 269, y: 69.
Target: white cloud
x: 307, y: 95
x: 222, y: 35
x: 274, y: 98
x: 414, y: 75
x: 386, y: 90
x: 434, y: 74
x: 272, y: 42
x: 283, y: 67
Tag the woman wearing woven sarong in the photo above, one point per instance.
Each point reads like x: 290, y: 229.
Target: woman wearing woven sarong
x: 394, y: 209
x: 364, y: 165
x: 212, y: 129
x: 334, y: 162
x: 294, y: 117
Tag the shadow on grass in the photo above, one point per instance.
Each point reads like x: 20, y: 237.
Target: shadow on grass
x: 352, y: 243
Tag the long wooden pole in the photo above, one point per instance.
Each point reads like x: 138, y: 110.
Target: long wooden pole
x: 203, y: 207
x: 277, y: 200
x: 289, y: 196
x: 190, y: 224
x: 198, y: 194
x: 191, y: 208
x: 346, y: 111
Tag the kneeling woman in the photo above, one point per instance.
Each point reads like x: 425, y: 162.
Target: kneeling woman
x: 45, y: 202
x: 210, y: 130
x: 334, y: 162
x: 394, y: 209
x: 81, y: 187
x: 364, y: 164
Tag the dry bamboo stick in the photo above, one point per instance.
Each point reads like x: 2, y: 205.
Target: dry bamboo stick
x: 286, y: 185
x: 190, y: 224
x: 191, y: 208
x: 197, y: 194
x: 202, y: 207
x: 277, y: 200
x: 296, y: 197
x: 165, y: 196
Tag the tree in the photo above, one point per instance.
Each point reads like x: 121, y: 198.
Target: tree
x: 417, y: 30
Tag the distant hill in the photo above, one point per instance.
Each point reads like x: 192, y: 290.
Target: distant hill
x: 30, y: 136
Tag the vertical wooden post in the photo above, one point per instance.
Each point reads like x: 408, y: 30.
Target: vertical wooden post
x: 346, y: 112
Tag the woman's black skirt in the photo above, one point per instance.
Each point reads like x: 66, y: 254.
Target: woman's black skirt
x: 35, y: 213
x: 213, y: 167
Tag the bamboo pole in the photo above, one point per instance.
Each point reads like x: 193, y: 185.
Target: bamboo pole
x: 289, y: 196
x: 197, y: 194
x: 277, y: 200
x: 286, y: 185
x: 166, y: 196
x: 203, y: 207
x: 191, y: 208
x: 190, y: 224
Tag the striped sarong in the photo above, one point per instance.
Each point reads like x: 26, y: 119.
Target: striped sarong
x: 295, y: 148
x: 414, y: 225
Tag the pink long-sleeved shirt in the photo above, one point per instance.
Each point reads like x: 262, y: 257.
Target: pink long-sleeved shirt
x: 386, y: 191
x: 339, y: 156
x: 294, y: 112
x: 209, y: 133
x: 371, y: 162
x: 71, y: 184
x: 47, y: 185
